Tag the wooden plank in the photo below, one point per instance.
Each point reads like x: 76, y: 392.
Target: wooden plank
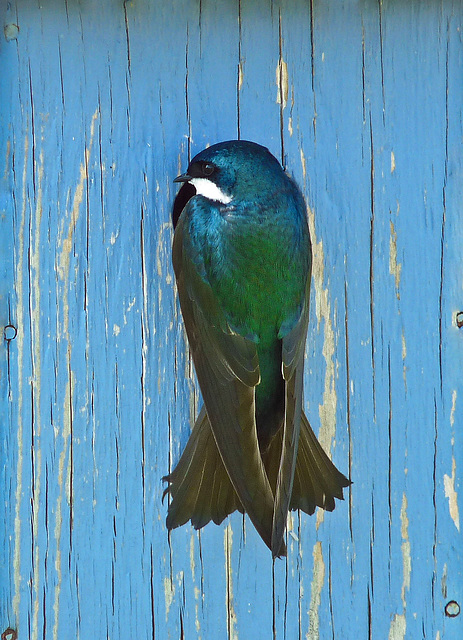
x: 102, y: 105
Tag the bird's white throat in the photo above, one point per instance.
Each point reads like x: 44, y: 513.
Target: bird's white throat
x: 210, y: 190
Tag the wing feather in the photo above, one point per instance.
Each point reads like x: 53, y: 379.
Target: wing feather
x: 293, y: 372
x: 227, y: 369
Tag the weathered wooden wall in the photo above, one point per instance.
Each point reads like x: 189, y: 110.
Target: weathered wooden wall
x: 101, y: 105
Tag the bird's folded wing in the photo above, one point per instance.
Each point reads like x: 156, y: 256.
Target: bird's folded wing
x: 293, y: 346
x: 228, y: 370
x: 199, y: 485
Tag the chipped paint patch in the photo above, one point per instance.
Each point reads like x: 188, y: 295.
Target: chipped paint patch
x: 197, y: 591
x: 452, y: 495
x: 392, y: 162
x: 304, y: 165
x: 406, y: 556
x: 454, y: 405
x: 7, y: 159
x: 290, y: 126
x: 318, y: 580
x: 404, y: 355
x: 282, y: 83
x: 169, y: 592
x: 192, y: 555
x: 398, y: 628
x: 404, y: 347
x: 327, y: 410
x: 290, y: 527
x: 443, y: 582
x: 240, y: 75
x: 395, y: 268
x: 63, y: 268
x: 229, y: 599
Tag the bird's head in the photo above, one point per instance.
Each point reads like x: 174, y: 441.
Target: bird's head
x: 233, y: 170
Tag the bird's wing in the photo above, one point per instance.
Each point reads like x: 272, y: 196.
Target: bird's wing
x: 293, y: 346
x: 227, y: 368
x: 199, y: 485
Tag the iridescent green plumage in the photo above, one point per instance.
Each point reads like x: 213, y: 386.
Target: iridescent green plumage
x: 243, y: 268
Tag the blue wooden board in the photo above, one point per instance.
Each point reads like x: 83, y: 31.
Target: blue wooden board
x: 102, y: 104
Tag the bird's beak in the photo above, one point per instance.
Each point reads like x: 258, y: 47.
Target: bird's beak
x: 184, y: 177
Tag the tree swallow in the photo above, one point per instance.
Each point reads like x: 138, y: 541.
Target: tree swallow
x: 242, y: 259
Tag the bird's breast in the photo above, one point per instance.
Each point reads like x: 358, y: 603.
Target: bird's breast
x: 258, y: 270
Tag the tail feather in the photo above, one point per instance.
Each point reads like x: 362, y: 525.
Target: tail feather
x: 202, y: 491
x: 317, y: 481
x: 199, y: 485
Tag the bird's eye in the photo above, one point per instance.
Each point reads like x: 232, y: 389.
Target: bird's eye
x: 208, y: 168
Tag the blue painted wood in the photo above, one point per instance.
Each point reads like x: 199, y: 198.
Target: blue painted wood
x: 102, y: 104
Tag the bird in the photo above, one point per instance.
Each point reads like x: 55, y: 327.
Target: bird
x: 242, y: 260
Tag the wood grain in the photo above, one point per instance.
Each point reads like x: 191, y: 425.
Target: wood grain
x: 102, y: 104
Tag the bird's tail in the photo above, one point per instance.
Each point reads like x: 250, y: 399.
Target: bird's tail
x: 202, y: 491
x: 199, y: 485
x: 317, y: 482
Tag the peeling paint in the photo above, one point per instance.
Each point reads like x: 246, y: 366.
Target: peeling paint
x: 36, y: 386
x: 404, y: 355
x: 169, y: 592
x: 398, y: 628
x: 304, y: 165
x: 7, y: 159
x: 395, y: 268
x: 63, y: 483
x: 63, y: 272
x: 63, y: 268
x: 406, y: 556
x: 452, y: 410
x: 36, y: 588
x: 240, y: 75
x: 197, y: 591
x: 290, y: 526
x: 452, y: 495
x: 327, y: 410
x: 192, y: 556
x: 229, y: 600
x: 281, y: 74
x: 290, y: 126
x: 318, y: 580
x: 20, y: 360
x: 35, y: 228
x: 443, y: 581
x: 83, y: 364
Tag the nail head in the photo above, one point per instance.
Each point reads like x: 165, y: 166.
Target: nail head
x: 10, y: 332
x: 452, y: 609
x: 11, y: 31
